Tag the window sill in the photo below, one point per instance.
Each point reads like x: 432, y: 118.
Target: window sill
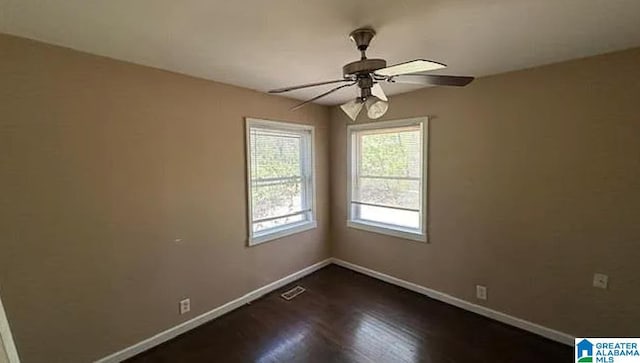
x: 377, y: 228
x: 281, y: 232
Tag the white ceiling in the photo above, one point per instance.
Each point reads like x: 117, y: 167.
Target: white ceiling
x: 264, y: 44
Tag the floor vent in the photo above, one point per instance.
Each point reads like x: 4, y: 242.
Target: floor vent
x: 288, y: 295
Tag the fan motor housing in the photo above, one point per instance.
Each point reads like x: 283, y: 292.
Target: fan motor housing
x: 363, y: 66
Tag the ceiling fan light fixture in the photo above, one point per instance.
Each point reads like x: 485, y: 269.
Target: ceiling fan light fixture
x: 367, y: 73
x: 377, y: 91
x: 352, y: 108
x: 376, y: 107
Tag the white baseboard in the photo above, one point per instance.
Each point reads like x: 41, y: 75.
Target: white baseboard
x: 552, y: 334
x: 208, y: 316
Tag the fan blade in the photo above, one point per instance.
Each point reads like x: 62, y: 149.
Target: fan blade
x: 287, y: 89
x: 377, y: 91
x: 322, y: 95
x: 432, y: 79
x: 414, y: 66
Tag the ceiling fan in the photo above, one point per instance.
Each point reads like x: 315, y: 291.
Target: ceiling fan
x: 368, y: 73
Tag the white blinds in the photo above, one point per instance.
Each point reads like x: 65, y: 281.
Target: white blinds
x: 387, y: 176
x: 280, y: 177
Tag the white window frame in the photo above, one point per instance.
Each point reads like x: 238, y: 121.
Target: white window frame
x: 5, y: 337
x: 382, y: 228
x: 309, y: 182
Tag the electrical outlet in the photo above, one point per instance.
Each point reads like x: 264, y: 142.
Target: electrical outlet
x: 185, y: 306
x: 600, y: 280
x: 481, y: 292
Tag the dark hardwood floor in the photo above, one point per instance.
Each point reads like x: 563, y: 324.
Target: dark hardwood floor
x: 345, y: 316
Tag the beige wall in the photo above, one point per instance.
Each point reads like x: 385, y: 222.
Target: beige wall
x: 534, y: 186
x: 103, y: 165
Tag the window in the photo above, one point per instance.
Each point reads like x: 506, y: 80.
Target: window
x: 280, y: 179
x: 387, y: 176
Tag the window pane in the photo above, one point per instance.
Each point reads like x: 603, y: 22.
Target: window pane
x: 275, y: 154
x: 390, y: 216
x: 391, y: 192
x: 262, y: 226
x: 391, y: 153
x: 274, y: 200
x: 281, y: 180
x: 386, y: 185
